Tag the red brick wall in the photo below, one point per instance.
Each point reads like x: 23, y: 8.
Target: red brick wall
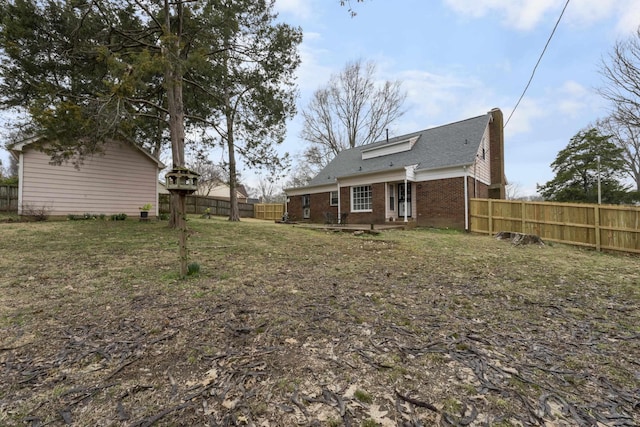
x: 440, y: 203
x: 294, y: 208
x: 478, y: 190
x: 375, y: 217
x: 321, y: 203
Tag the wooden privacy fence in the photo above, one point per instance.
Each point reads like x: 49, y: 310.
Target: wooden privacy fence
x: 8, y: 198
x: 199, y: 204
x: 609, y: 227
x: 270, y: 211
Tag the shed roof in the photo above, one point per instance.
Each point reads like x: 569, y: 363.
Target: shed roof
x: 19, y: 146
x: 453, y: 144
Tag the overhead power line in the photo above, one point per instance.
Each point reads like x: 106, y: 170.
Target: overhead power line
x: 533, y: 73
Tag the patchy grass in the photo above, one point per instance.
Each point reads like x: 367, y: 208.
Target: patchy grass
x: 285, y: 325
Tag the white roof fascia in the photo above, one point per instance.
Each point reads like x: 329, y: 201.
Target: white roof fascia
x: 19, y: 146
x: 458, y: 171
x: 299, y: 191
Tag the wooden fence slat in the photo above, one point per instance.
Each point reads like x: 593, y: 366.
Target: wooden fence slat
x: 8, y: 198
x: 199, y: 204
x: 607, y: 227
x: 596, y: 211
x: 268, y: 211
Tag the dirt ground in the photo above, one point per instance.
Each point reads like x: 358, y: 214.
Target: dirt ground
x: 288, y: 326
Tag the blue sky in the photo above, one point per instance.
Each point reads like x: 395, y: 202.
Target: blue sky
x: 460, y: 58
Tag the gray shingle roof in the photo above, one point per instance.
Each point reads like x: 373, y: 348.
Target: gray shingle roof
x: 454, y: 144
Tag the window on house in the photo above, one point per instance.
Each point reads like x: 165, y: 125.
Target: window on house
x: 361, y: 198
x: 334, y: 198
x: 306, y: 200
x: 392, y: 198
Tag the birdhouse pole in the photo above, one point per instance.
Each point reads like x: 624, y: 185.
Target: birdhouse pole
x: 182, y: 182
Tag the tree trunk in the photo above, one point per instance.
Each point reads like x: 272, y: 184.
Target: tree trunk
x: 175, y: 105
x: 234, y: 212
x: 176, y: 130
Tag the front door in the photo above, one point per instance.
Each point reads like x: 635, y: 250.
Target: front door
x: 404, y: 195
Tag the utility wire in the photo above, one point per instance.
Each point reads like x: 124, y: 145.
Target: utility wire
x: 537, y: 63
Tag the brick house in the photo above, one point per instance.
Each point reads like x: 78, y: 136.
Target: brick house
x: 426, y: 177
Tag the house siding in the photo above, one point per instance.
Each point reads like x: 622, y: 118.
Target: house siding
x: 481, y: 169
x: 121, y: 179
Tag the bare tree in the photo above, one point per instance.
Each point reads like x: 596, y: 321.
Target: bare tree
x: 513, y: 191
x: 622, y: 76
x: 268, y: 191
x: 300, y: 175
x: 627, y: 137
x: 211, y: 175
x: 352, y: 110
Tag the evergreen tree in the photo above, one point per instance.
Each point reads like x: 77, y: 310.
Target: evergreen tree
x: 150, y: 72
x: 577, y: 167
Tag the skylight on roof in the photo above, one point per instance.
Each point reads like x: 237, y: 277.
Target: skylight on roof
x: 390, y: 148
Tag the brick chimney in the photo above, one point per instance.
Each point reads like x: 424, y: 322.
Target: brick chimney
x: 496, y: 154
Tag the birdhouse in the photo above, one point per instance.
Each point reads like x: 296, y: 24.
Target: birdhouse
x: 181, y: 180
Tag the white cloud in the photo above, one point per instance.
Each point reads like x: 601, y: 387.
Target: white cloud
x: 525, y: 15
x: 573, y: 99
x: 438, y: 98
x: 311, y: 73
x: 630, y: 17
x: 519, y: 14
x: 430, y: 94
x: 523, y: 120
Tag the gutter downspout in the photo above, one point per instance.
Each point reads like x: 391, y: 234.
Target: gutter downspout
x: 339, y: 213
x: 20, y: 180
x: 466, y: 200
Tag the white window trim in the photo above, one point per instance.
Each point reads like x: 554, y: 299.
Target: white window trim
x: 352, y: 189
x: 331, y: 198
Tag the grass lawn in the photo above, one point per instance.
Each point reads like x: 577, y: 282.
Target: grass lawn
x: 286, y: 326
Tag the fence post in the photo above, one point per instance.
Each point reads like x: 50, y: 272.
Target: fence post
x: 596, y: 220
x: 523, y: 208
x: 490, y: 212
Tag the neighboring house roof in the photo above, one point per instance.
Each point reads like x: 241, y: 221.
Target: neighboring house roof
x: 454, y: 144
x: 240, y: 189
x: 221, y: 190
x: 162, y: 188
x: 18, y: 147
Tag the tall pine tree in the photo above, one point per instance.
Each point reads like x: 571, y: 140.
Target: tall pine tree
x: 577, y: 167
